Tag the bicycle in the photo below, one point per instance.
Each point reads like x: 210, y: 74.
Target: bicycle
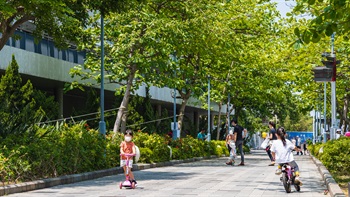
x: 288, y: 178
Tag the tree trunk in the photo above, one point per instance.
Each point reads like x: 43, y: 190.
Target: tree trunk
x: 185, y: 98
x: 219, y: 123
x: 124, y: 104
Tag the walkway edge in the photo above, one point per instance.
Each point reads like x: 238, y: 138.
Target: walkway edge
x: 332, y: 185
x: 68, y: 179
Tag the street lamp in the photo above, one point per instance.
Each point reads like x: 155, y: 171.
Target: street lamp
x: 208, y: 136
x: 173, y: 57
x: 228, y: 108
x: 324, y: 112
x: 102, y: 124
x: 333, y: 89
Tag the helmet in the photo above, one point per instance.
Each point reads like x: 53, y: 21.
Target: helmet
x: 264, y: 134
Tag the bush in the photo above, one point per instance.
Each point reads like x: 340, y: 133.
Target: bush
x: 336, y: 156
x: 147, y: 155
x: 62, y: 149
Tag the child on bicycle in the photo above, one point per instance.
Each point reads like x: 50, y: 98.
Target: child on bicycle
x: 282, y: 153
x: 127, y: 147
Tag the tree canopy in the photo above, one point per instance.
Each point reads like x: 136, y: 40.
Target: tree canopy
x: 61, y: 20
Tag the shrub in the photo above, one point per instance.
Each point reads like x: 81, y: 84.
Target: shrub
x: 62, y: 149
x: 336, y: 156
x: 146, y: 155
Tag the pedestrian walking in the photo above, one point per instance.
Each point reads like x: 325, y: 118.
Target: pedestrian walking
x: 239, y: 134
x: 272, y: 137
x: 298, y: 145
x: 306, y: 152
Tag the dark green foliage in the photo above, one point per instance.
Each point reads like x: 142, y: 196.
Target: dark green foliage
x: 92, y: 106
x: 47, y: 104
x: 135, y: 119
x: 18, y: 109
x: 164, y: 125
x: 61, y: 151
x: 149, y: 113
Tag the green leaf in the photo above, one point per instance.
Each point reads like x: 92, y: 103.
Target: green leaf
x: 311, y: 2
x: 329, y: 30
x: 315, y: 37
x: 306, y: 36
x: 297, y: 32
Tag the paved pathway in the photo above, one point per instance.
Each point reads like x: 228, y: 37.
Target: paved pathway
x: 202, y: 178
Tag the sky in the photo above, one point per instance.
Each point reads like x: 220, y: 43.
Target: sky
x: 284, y: 6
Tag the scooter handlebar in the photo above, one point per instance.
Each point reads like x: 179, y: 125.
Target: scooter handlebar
x: 127, y: 154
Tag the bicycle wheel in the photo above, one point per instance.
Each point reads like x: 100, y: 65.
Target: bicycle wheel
x: 286, y: 183
x: 297, y: 186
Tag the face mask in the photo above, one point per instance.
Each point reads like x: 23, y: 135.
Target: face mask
x: 127, y: 138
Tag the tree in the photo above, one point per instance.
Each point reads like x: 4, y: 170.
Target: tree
x: 133, y: 55
x: 327, y: 17
x: 61, y: 20
x: 18, y: 111
x: 310, y: 55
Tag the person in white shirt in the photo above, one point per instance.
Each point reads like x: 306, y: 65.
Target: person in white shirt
x: 294, y: 141
x: 282, y: 153
x: 337, y: 134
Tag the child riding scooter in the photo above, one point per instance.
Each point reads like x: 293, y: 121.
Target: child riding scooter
x: 127, y: 151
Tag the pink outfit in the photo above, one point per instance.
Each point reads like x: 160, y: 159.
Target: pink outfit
x: 347, y: 134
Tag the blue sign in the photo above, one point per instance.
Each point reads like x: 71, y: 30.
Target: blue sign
x: 302, y: 135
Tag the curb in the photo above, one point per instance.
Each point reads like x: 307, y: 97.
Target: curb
x: 68, y: 179
x: 332, y: 186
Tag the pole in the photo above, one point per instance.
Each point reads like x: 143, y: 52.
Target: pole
x: 324, y: 112
x: 208, y: 137
x: 333, y: 87
x: 175, y: 123
x: 228, y: 112
x: 102, y: 124
x: 319, y: 123
x: 316, y: 122
x: 314, y: 127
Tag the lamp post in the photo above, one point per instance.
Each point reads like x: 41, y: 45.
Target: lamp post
x: 102, y: 124
x: 324, y: 112
x: 208, y: 136
x: 173, y: 57
x: 333, y: 87
x: 228, y: 108
x: 175, y: 125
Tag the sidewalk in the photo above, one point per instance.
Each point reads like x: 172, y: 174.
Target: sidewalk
x: 202, y: 178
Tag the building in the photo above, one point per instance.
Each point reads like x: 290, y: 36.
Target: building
x: 48, y: 69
